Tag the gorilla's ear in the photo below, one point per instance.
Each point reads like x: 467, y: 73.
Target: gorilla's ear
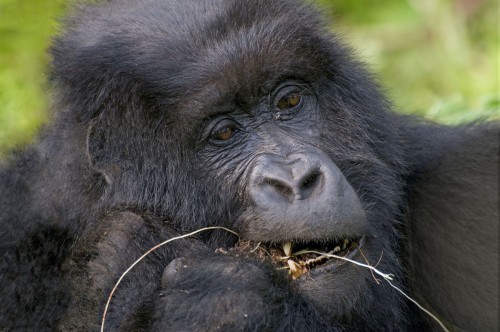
x: 99, y: 155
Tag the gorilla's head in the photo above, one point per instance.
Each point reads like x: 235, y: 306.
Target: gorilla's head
x: 252, y: 117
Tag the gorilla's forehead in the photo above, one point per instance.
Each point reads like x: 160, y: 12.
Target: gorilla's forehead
x: 236, y: 50
x: 201, y: 49
x: 241, y: 68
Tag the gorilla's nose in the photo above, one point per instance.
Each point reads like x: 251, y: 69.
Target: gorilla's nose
x: 296, y: 178
x: 304, y: 193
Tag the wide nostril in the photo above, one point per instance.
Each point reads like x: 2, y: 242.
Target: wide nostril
x: 280, y: 187
x: 309, y: 181
x: 308, y: 184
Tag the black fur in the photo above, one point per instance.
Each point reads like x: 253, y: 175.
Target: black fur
x: 128, y: 161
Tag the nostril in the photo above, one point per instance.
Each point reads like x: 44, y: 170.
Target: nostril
x: 309, y: 183
x: 281, y: 188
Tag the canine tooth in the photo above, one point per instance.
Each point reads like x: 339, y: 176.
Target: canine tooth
x: 336, y: 249
x: 287, y: 248
x: 346, y: 242
x: 295, y: 269
x: 293, y: 266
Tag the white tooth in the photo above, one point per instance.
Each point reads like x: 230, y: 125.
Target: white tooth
x: 346, y: 242
x: 287, y: 248
x: 336, y: 249
x: 295, y: 269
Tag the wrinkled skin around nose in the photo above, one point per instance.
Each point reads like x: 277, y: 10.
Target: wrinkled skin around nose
x: 306, y: 191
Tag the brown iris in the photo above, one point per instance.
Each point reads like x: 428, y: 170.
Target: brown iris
x: 223, y: 134
x: 289, y: 101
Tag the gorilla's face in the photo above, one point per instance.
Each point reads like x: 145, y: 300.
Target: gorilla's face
x: 291, y: 191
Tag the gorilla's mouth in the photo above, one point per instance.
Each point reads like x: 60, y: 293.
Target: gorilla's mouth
x: 303, y: 257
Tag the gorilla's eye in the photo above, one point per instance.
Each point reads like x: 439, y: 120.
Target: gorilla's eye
x: 223, y: 134
x: 222, y: 131
x: 289, y: 101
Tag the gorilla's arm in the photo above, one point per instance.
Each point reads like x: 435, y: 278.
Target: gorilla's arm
x: 453, y: 231
x: 200, y: 290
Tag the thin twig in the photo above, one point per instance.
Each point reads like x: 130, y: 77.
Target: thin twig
x: 257, y: 247
x: 367, y: 262
x: 420, y: 306
x: 380, y: 258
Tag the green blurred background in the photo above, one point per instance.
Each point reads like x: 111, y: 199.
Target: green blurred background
x: 436, y: 58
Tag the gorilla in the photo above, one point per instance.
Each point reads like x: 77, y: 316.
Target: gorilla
x: 173, y: 116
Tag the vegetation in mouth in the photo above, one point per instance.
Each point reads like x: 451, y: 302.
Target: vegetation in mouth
x: 297, y: 257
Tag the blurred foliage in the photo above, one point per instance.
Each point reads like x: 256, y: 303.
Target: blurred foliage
x: 25, y: 30
x: 436, y: 58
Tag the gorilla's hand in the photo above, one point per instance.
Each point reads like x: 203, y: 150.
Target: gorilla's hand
x: 218, y: 293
